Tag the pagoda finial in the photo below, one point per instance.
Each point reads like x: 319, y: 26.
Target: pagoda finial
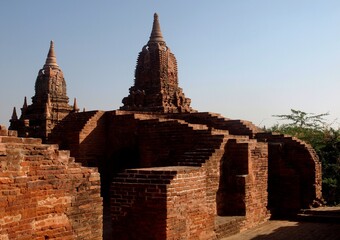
x: 51, y: 60
x: 14, y: 115
x: 156, y: 33
x: 75, y: 106
x: 24, y: 106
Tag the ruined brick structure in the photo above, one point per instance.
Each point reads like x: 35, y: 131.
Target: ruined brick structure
x: 169, y: 172
x: 49, y: 104
x: 44, y: 193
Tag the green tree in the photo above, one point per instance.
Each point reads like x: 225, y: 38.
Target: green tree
x: 305, y: 120
x: 314, y: 129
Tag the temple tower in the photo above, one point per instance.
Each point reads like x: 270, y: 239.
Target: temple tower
x: 49, y: 104
x: 156, y: 80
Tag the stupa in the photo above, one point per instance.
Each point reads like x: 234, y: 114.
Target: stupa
x: 156, y: 79
x: 49, y: 104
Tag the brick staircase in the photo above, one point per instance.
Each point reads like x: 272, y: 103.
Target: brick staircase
x: 68, y: 129
x: 199, y: 145
x: 90, y: 124
x: 217, y: 121
x: 211, y: 145
x: 241, y: 127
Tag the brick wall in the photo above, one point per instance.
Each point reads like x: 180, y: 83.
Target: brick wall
x: 161, y: 203
x: 44, y: 194
x: 257, y: 185
x: 189, y: 214
x: 138, y: 203
x: 243, y: 181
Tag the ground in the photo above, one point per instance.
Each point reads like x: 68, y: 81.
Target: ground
x: 293, y: 230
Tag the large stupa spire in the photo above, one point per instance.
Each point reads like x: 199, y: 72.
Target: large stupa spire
x: 156, y: 33
x: 156, y: 80
x: 51, y: 60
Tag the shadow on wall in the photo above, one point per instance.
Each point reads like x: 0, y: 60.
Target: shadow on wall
x: 291, y: 184
x: 231, y: 192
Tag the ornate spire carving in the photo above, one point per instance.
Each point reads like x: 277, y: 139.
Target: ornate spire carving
x: 156, y: 80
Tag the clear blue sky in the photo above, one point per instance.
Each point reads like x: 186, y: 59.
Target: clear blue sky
x: 246, y: 59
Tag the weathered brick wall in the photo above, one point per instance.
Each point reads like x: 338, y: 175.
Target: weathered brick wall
x: 138, y: 204
x: 256, y: 198
x: 161, y: 203
x: 213, y: 172
x: 189, y: 214
x: 44, y: 194
x: 243, y: 181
